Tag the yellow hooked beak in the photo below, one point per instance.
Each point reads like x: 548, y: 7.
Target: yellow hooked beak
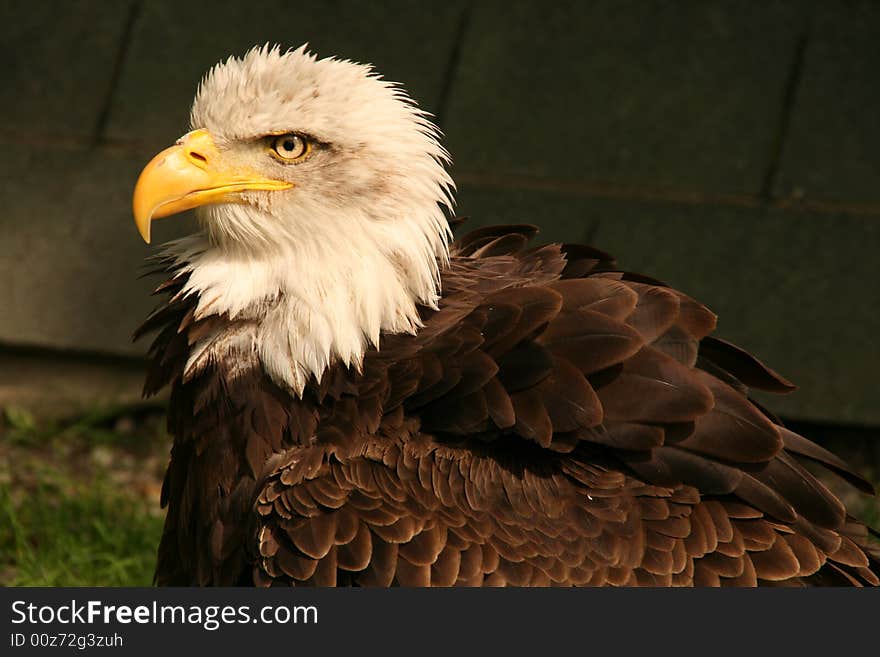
x: 191, y: 173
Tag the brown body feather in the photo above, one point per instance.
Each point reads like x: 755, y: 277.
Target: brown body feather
x: 555, y: 422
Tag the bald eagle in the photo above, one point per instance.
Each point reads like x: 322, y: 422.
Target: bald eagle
x: 357, y: 399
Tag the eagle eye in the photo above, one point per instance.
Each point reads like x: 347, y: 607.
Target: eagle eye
x: 290, y: 148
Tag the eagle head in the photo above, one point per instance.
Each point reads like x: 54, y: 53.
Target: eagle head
x: 320, y: 190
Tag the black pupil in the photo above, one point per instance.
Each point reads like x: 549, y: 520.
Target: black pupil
x: 289, y: 144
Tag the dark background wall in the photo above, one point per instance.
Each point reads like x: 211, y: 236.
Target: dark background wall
x: 729, y: 148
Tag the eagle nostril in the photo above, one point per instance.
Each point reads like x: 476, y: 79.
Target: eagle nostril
x: 198, y: 156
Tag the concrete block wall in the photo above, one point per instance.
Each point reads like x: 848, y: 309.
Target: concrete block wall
x: 727, y: 147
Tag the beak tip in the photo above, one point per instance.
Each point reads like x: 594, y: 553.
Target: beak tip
x: 143, y: 226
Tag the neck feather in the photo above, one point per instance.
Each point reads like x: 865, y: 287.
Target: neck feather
x: 320, y: 290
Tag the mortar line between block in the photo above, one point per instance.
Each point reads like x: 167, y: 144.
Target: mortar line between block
x: 116, y: 74
x: 788, y: 102
x: 453, y: 64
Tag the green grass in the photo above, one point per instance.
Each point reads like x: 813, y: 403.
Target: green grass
x: 78, y: 501
x: 68, y: 533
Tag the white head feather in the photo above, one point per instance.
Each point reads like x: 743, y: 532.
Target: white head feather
x: 318, y: 271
